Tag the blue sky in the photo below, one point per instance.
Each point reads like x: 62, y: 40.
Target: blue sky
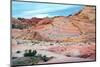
x: 31, y: 9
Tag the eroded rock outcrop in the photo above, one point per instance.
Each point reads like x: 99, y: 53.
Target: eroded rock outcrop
x: 83, y: 50
x: 76, y: 28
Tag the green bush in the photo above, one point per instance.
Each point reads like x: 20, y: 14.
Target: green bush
x: 45, y: 58
x: 30, y: 53
x: 36, y: 58
x: 20, y: 18
x: 18, y: 26
x: 18, y: 51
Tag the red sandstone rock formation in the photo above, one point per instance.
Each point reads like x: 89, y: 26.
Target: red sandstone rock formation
x: 77, y: 28
x: 79, y: 50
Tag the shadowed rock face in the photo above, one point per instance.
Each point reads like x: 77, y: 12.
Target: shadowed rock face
x: 76, y: 28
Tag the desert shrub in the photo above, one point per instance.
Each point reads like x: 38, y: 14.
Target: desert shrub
x: 51, y: 44
x: 18, y: 26
x: 36, y: 58
x: 22, y: 61
x: 18, y: 51
x: 45, y: 58
x: 34, y: 52
x: 20, y: 18
x: 14, y: 57
x: 30, y: 53
x: 19, y: 63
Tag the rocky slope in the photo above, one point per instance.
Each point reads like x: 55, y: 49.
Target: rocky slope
x: 76, y: 28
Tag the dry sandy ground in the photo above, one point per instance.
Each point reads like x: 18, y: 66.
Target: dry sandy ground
x: 43, y: 50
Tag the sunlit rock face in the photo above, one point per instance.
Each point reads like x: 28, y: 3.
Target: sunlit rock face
x: 76, y: 28
x: 59, y: 29
x: 83, y: 50
x: 89, y: 13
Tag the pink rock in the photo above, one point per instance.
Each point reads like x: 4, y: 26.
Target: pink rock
x: 83, y: 51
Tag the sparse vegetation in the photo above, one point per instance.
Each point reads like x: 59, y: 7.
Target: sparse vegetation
x: 51, y: 44
x: 36, y: 58
x: 18, y: 26
x: 20, y: 18
x: 45, y: 58
x: 14, y: 57
x: 30, y: 53
x: 18, y: 51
